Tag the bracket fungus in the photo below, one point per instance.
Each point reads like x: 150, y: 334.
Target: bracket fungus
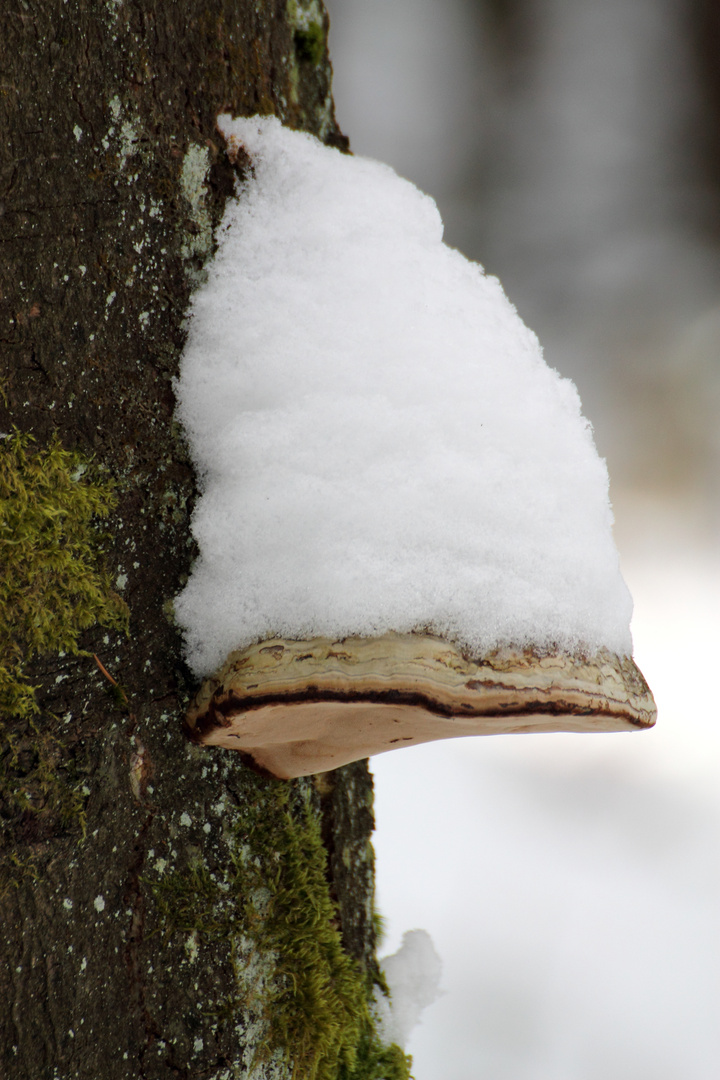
x: 300, y: 707
x: 404, y: 526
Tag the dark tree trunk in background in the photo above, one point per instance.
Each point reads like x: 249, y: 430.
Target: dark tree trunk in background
x: 112, y: 179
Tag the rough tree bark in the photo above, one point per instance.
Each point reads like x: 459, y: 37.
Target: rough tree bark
x: 117, y: 957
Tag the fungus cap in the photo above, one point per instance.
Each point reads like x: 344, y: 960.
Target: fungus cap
x: 299, y: 707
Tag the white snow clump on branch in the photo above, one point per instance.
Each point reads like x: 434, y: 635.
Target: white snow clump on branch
x: 379, y: 443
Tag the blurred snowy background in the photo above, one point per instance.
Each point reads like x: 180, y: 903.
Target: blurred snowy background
x: 571, y: 884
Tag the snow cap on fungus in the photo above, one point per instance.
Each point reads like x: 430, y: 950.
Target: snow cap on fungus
x: 384, y: 457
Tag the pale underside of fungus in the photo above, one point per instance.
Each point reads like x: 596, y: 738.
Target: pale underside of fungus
x: 293, y: 708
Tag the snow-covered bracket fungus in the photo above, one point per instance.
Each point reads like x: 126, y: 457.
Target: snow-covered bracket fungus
x: 404, y: 526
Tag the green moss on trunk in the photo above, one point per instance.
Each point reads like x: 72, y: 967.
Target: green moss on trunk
x: 52, y: 586
x: 314, y: 1000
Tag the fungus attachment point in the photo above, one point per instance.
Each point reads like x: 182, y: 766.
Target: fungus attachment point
x: 301, y: 707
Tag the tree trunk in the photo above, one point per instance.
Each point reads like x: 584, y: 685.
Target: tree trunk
x: 139, y: 899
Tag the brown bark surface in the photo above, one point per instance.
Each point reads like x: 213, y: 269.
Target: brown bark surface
x: 107, y: 114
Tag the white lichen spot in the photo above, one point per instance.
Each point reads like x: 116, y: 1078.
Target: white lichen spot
x: 305, y: 12
x: 192, y: 181
x: 83, y: 270
x: 83, y: 965
x: 115, y: 107
x: 121, y: 581
x: 78, y: 132
x: 67, y: 904
x: 326, y: 117
x: 128, y: 144
x: 207, y: 827
x: 160, y: 865
x: 144, y: 318
x: 191, y: 946
x: 198, y: 1045
x: 99, y: 903
x: 185, y: 819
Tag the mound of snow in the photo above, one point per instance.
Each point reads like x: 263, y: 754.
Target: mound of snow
x: 379, y: 442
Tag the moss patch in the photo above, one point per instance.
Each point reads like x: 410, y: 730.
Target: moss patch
x: 36, y: 776
x: 317, y: 1006
x: 51, y: 584
x: 310, y: 43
